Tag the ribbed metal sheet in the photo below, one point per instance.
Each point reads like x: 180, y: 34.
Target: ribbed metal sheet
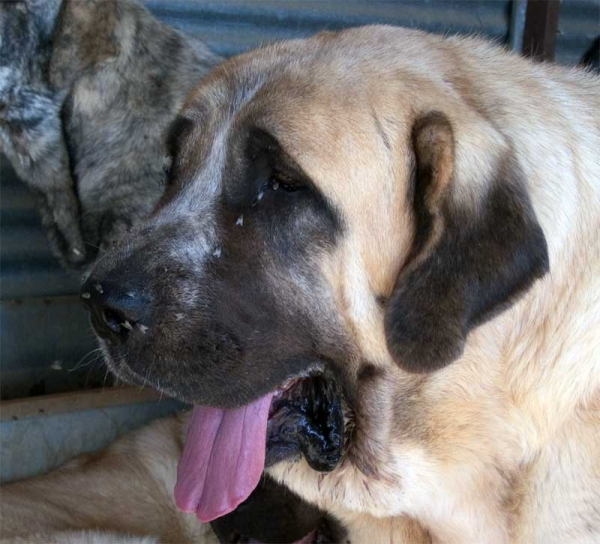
x: 47, y: 347
x: 44, y: 332
x: 29, y: 273
x: 28, y: 268
x: 233, y: 26
x: 578, y: 25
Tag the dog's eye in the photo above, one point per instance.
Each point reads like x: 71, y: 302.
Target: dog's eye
x: 279, y: 180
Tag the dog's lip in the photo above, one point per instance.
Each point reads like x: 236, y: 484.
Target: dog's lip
x: 314, y: 371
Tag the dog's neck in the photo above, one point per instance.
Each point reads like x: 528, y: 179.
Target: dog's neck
x: 555, y: 332
x: 546, y: 351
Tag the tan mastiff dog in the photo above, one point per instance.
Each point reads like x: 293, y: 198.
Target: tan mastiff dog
x: 379, y: 255
x: 411, y: 221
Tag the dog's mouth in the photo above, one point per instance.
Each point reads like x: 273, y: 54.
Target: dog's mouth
x: 306, y: 418
x: 226, y: 451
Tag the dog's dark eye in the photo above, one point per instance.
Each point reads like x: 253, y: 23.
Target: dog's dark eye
x: 279, y: 180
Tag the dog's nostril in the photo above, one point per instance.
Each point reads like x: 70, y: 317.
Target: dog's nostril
x: 116, y: 310
x: 116, y: 321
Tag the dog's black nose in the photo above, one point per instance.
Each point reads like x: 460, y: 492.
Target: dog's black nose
x: 115, y: 311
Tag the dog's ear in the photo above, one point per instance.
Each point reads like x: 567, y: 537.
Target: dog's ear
x: 467, y: 262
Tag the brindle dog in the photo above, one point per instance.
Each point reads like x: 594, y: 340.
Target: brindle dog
x: 87, y: 91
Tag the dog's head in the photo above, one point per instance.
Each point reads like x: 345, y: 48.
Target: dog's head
x: 337, y: 222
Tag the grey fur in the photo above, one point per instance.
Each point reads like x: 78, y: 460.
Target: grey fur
x: 30, y: 128
x: 87, y: 91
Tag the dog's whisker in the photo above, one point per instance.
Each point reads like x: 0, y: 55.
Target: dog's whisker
x: 81, y: 363
x: 93, y: 245
x: 148, y: 374
x: 105, y: 377
x: 87, y: 378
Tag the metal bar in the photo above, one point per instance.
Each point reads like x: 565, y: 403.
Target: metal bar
x: 541, y: 25
x: 517, y: 24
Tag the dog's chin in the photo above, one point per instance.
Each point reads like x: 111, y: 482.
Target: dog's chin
x: 119, y: 367
x: 123, y: 372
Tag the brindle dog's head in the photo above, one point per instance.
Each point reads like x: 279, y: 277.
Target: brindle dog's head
x: 331, y: 209
x: 87, y: 91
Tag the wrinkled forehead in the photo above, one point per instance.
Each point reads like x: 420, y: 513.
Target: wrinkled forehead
x: 319, y: 120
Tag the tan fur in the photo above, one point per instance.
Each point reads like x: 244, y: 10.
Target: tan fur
x: 502, y: 445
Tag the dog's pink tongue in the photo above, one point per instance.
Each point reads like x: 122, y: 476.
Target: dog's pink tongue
x: 223, y: 458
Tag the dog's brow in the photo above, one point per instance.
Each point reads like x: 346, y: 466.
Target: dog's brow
x: 287, y: 162
x: 273, y: 142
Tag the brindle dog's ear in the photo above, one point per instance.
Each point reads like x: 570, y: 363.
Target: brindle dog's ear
x: 466, y: 264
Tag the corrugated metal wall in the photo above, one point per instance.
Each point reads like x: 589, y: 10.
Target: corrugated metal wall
x: 44, y: 333
x: 44, y: 330
x: 578, y: 25
x: 233, y: 26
